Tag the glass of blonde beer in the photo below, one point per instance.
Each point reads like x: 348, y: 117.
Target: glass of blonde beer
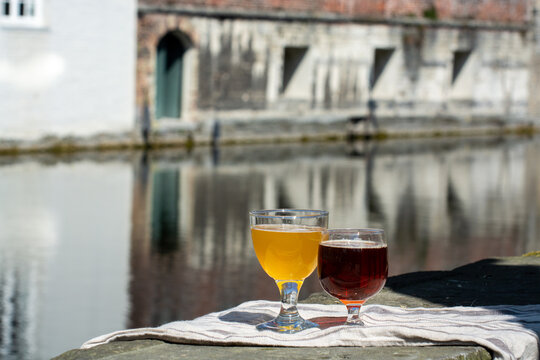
x: 286, y: 242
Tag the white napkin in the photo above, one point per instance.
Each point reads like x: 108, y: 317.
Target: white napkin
x: 509, y: 332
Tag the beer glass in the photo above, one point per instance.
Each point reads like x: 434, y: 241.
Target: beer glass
x: 286, y: 242
x: 353, y: 266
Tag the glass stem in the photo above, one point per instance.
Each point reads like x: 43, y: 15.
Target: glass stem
x: 289, y: 298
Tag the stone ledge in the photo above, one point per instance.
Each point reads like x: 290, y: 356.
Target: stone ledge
x: 512, y: 280
x: 235, y: 131
x: 153, y: 349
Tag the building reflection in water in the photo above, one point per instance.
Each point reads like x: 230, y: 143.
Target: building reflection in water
x: 93, y: 244
x: 442, y: 203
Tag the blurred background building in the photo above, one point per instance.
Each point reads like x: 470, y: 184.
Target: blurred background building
x: 324, y: 62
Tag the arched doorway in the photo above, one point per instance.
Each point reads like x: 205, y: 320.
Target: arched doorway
x: 169, y: 69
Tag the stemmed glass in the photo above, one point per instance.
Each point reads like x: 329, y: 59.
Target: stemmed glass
x: 353, y: 266
x: 286, y: 242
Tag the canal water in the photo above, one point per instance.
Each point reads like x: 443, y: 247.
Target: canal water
x: 92, y: 243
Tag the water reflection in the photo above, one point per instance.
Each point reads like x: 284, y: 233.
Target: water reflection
x: 95, y: 243
x: 64, y: 236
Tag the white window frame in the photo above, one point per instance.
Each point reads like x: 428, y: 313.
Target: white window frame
x: 31, y: 18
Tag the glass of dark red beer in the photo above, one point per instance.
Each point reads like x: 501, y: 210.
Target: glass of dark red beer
x: 353, y: 266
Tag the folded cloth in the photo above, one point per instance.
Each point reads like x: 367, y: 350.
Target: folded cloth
x: 509, y: 332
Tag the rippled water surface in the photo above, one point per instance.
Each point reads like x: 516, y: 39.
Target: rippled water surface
x: 92, y: 243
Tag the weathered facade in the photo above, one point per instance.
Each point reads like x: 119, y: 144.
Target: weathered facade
x: 258, y: 65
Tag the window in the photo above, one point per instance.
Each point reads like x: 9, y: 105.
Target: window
x: 381, y: 59
x: 26, y: 8
x: 460, y: 58
x: 25, y: 13
x: 5, y: 8
x: 292, y: 58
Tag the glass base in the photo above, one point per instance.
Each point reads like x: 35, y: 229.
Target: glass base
x: 355, y: 322
x: 289, y: 320
x: 287, y: 325
x: 353, y: 310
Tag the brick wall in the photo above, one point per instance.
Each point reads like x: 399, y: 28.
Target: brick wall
x: 506, y: 11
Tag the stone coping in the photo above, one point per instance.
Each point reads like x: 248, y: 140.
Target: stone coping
x: 494, y: 281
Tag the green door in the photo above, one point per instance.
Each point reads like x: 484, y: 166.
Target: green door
x: 169, y: 77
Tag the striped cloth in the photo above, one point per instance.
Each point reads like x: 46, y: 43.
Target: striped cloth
x: 508, y: 332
